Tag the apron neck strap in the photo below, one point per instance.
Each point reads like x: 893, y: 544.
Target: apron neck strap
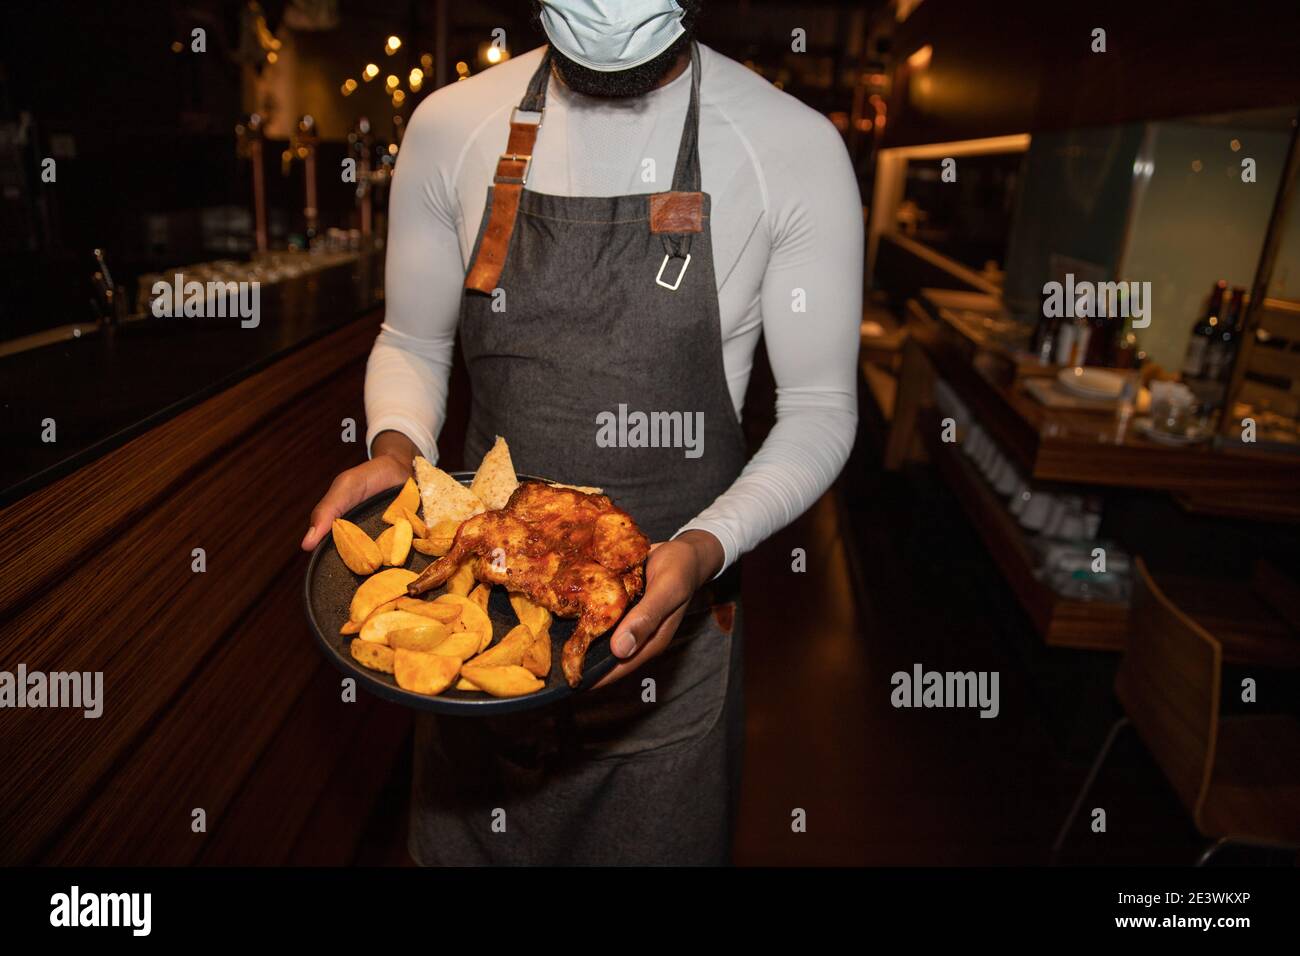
x: 686, y: 174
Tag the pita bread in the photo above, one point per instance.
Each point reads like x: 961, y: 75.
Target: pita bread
x: 585, y: 489
x: 495, y: 480
x: 444, y: 498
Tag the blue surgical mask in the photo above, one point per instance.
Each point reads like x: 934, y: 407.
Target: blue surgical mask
x: 610, y: 35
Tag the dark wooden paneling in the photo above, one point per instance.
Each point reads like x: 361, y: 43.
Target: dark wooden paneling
x: 1026, y: 66
x: 213, y: 688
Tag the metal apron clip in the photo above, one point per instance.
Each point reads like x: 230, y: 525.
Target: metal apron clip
x: 678, y: 281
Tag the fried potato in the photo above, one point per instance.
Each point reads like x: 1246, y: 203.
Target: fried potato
x: 495, y: 481
x: 509, y: 681
x: 509, y: 650
x: 400, y: 548
x: 534, y: 616
x: 480, y: 596
x: 537, y: 656
x: 408, y: 499
x: 434, y: 547
x: 418, y: 528
x: 385, y: 542
x: 379, y: 589
x: 377, y: 626
x: 359, y: 553
x: 424, y: 673
x: 471, y: 618
x: 443, y: 613
x: 420, y: 637
x: 375, y: 656
x: 461, y: 645
x: 443, y: 496
x: 462, y: 582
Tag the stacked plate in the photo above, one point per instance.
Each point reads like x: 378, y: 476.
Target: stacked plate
x: 1096, y: 383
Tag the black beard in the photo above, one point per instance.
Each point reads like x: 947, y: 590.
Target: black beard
x: 634, y: 81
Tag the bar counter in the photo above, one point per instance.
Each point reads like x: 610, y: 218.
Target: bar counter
x: 176, y: 437
x: 104, y: 388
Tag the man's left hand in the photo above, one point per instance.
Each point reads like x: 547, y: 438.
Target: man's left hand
x: 675, y: 570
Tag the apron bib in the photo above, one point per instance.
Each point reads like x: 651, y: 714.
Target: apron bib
x: 592, y: 337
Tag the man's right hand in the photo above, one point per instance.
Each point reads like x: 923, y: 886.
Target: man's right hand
x: 390, y: 467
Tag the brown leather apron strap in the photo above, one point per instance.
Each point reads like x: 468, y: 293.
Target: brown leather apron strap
x: 508, y: 183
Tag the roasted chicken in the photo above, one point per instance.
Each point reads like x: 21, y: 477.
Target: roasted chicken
x: 575, y: 554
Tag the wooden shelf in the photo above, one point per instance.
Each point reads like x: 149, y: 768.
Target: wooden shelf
x: 1060, y: 621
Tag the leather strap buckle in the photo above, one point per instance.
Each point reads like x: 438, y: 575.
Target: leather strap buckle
x: 522, y: 178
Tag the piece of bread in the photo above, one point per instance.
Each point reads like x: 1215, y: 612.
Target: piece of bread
x: 495, y: 481
x: 443, y: 497
x: 585, y: 489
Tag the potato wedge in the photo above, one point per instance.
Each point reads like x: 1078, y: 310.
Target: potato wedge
x: 462, y: 645
x: 534, y: 616
x: 424, y: 673
x: 508, y: 651
x: 418, y: 528
x: 480, y: 596
x: 462, y: 582
x: 537, y: 656
x: 471, y: 618
x: 508, y: 681
x: 408, y: 499
x: 400, y: 547
x: 377, y: 626
x: 359, y: 553
x: 434, y: 547
x: 375, y: 656
x: 443, y: 613
x: 379, y: 589
x: 420, y: 637
x: 385, y: 543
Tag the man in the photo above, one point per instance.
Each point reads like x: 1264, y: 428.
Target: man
x: 577, y: 296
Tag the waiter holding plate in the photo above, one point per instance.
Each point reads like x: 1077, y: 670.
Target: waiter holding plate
x: 609, y: 222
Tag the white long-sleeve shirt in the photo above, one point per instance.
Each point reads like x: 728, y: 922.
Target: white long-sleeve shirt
x: 787, y: 246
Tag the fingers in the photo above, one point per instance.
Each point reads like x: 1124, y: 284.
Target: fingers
x: 345, y: 493
x: 647, y: 649
x: 348, y: 490
x: 667, y: 590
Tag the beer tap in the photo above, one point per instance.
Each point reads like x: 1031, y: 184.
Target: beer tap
x: 361, y: 143
x: 108, y: 303
x: 304, y: 148
x: 249, y: 138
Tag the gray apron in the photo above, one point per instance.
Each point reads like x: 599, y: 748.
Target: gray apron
x: 602, y: 312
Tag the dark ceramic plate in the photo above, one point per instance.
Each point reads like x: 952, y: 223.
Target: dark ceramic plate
x: 328, y: 594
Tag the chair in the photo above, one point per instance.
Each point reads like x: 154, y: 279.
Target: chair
x: 1238, y: 777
